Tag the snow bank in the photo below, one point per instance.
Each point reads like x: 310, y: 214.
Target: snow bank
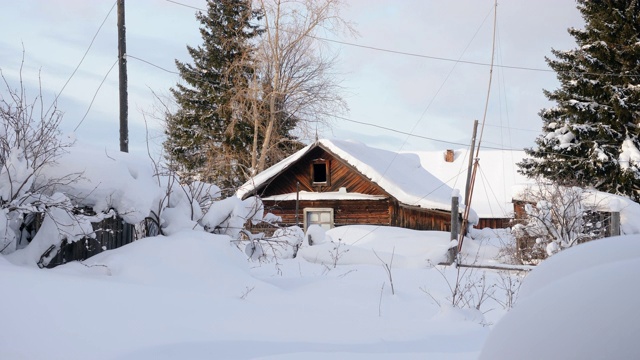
x: 104, y: 179
x: 192, y: 295
x: 188, y: 258
x: 365, y: 244
x: 15, y: 175
x: 579, y: 304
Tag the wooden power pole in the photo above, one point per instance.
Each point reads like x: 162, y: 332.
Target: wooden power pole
x: 472, y: 152
x: 122, y: 67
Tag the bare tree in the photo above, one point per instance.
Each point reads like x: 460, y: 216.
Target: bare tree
x: 557, y: 217
x: 293, y: 86
x: 30, y: 142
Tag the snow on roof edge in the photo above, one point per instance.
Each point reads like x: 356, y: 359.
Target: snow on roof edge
x: 438, y: 198
x: 252, y: 184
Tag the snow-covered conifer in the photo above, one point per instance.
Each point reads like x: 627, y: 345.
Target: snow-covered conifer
x: 205, y: 139
x: 590, y: 137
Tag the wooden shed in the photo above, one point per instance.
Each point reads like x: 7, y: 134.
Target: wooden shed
x: 335, y: 183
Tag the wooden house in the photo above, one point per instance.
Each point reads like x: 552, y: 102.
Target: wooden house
x: 334, y: 183
x: 497, y: 175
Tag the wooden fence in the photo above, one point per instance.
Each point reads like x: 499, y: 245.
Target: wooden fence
x: 110, y: 233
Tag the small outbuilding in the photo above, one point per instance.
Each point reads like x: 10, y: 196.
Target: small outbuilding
x: 334, y: 183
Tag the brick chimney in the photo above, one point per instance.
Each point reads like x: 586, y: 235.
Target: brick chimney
x: 449, y: 155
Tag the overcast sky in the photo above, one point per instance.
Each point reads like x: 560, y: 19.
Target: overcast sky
x: 426, y: 97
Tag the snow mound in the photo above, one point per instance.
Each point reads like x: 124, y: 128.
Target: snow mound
x: 579, y: 304
x: 104, y: 179
x: 373, y: 245
x: 188, y: 258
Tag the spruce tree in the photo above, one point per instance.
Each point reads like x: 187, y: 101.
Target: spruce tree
x: 205, y: 140
x: 590, y: 137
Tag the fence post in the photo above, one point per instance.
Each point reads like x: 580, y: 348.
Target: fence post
x: 455, y: 230
x: 614, y: 227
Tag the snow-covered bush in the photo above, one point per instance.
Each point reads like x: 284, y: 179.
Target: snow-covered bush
x: 48, y: 179
x: 315, y: 235
x: 283, y: 244
x: 29, y: 142
x: 556, y: 218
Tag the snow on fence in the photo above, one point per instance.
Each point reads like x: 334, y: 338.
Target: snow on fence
x: 110, y: 233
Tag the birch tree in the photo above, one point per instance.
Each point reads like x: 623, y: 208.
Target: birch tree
x: 295, y: 87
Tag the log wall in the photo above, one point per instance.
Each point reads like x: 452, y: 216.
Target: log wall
x: 345, y: 212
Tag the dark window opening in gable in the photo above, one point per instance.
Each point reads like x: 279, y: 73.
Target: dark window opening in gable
x: 320, y: 172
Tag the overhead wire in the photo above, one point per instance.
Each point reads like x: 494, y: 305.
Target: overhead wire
x: 95, y: 95
x: 485, y: 147
x: 185, y: 5
x: 501, y: 66
x: 84, y: 55
x: 469, y: 193
x: 503, y: 93
x: 427, y: 109
x: 438, y: 58
x: 433, y: 98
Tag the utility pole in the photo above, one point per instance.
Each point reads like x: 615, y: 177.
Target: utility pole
x: 472, y: 152
x: 122, y: 69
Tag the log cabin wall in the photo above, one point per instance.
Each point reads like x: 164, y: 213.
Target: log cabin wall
x: 345, y: 212
x: 340, y: 174
x: 494, y: 223
x: 365, y: 212
x: 422, y: 219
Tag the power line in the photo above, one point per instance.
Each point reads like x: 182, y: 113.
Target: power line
x: 96, y: 94
x: 512, y: 128
x: 398, y: 131
x: 384, y: 127
x: 438, y: 58
x: 397, y: 52
x: 185, y: 5
x: 154, y: 65
x: 335, y: 116
x: 430, y: 57
x: 344, y: 118
x: 85, y: 54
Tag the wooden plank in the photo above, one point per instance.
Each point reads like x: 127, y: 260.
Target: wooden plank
x: 499, y: 267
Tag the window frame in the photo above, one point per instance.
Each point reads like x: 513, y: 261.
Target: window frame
x: 306, y: 212
x: 327, y: 168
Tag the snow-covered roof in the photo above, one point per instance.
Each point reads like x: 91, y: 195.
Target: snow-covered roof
x: 496, y: 175
x: 399, y: 174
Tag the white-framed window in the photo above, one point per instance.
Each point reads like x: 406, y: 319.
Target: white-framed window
x: 318, y: 216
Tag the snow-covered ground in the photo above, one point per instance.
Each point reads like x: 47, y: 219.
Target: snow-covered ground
x: 360, y: 292
x: 192, y: 295
x: 581, y: 303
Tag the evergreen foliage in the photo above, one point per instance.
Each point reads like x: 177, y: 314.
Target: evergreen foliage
x: 206, y: 139
x: 590, y: 137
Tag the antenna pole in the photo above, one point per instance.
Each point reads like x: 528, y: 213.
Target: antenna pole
x: 471, y: 157
x: 467, y: 207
